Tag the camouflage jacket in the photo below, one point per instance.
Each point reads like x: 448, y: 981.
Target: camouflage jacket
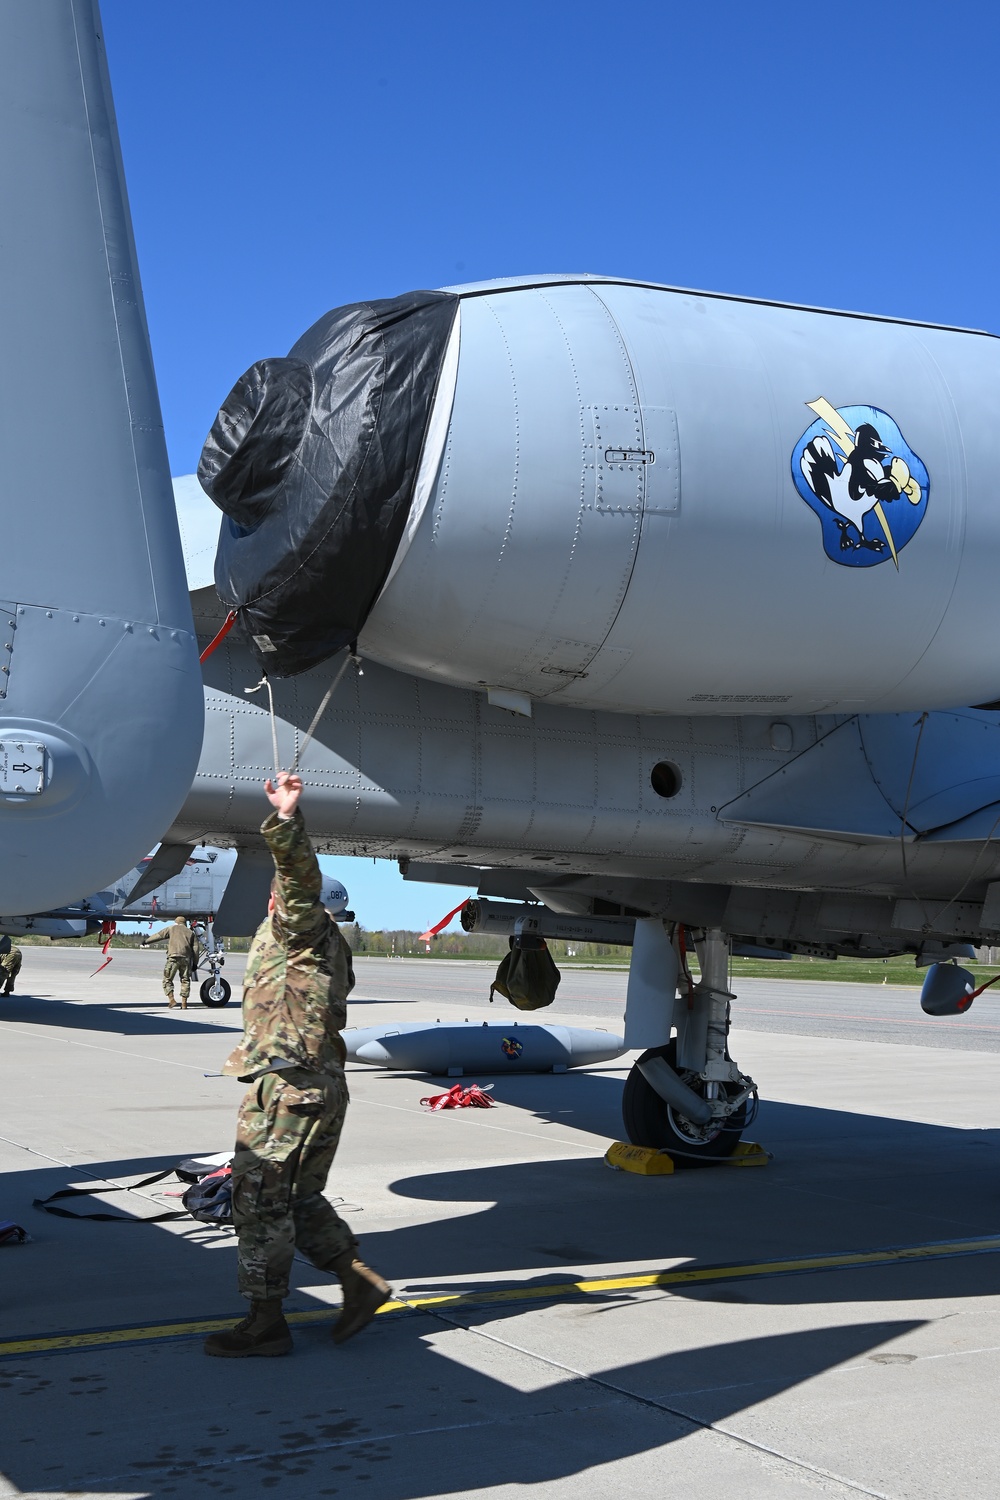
x: 181, y: 941
x: 299, y: 972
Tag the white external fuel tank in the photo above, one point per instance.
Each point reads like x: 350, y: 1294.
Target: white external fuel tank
x: 648, y: 500
x: 481, y: 1047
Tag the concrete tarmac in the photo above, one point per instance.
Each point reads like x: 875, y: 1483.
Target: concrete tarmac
x: 730, y: 1374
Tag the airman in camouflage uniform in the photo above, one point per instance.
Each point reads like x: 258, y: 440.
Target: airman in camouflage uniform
x: 10, y: 963
x: 183, y: 952
x: 295, y: 990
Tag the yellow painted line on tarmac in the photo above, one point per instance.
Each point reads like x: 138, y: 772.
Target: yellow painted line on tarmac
x: 105, y: 1338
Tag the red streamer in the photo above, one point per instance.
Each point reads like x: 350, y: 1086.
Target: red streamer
x: 230, y: 621
x: 980, y: 990
x: 425, y: 937
x: 108, y: 930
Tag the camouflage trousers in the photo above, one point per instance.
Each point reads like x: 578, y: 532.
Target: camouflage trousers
x: 10, y: 966
x: 180, y: 967
x: 286, y: 1138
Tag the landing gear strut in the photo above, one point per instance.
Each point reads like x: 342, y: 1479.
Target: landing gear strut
x: 215, y: 991
x: 686, y: 1096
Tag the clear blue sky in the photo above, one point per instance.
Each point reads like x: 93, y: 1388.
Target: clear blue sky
x: 282, y: 160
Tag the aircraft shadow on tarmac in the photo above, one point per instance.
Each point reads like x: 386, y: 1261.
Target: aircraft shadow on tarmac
x: 563, y: 1212
x: 456, y: 1428
x: 110, y: 1017
x: 838, y: 1182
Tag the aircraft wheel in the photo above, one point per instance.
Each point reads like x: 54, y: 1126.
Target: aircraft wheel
x: 651, y: 1121
x: 216, y: 991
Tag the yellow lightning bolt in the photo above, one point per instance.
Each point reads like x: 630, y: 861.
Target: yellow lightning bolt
x: 844, y: 439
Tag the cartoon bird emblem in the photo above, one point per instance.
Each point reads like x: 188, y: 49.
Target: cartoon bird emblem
x: 863, y: 478
x: 511, y: 1047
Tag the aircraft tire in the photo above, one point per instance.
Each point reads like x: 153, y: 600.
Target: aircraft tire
x: 650, y: 1121
x: 215, y: 992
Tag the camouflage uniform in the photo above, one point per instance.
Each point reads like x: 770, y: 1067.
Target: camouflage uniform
x: 295, y: 990
x: 10, y: 964
x: 183, y: 950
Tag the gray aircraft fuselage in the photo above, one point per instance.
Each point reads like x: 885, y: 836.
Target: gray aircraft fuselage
x: 678, y: 621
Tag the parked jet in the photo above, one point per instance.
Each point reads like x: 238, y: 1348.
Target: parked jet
x: 157, y: 887
x: 162, y: 886
x: 670, y: 605
x: 618, y: 663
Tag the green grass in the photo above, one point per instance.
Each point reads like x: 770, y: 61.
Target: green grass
x: 845, y: 970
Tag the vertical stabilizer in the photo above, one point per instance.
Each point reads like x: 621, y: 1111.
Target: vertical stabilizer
x: 100, y: 692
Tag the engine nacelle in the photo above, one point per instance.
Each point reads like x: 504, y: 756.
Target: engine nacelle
x: 627, y: 497
x: 659, y: 501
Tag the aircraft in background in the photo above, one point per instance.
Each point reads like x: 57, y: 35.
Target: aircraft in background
x: 160, y: 887
x: 157, y: 888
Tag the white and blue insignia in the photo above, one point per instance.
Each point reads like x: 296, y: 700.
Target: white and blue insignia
x: 857, y: 473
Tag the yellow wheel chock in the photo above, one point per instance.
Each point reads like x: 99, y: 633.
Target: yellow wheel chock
x: 649, y: 1161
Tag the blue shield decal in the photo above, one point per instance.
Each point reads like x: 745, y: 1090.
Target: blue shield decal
x: 859, y: 475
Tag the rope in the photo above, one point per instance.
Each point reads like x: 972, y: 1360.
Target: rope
x: 350, y: 657
x: 265, y: 681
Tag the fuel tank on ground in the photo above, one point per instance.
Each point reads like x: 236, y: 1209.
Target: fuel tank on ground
x: 481, y: 1047
x: 100, y: 694
x: 663, y: 501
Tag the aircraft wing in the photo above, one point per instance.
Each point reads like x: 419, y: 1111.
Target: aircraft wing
x: 168, y: 861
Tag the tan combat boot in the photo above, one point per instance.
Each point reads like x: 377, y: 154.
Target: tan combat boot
x: 364, y: 1294
x: 263, y: 1331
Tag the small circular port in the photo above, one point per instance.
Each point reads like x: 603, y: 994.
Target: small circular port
x: 665, y: 779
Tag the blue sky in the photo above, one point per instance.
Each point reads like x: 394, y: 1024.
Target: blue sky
x: 282, y: 160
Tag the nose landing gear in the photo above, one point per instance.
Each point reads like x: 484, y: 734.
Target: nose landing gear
x: 215, y: 991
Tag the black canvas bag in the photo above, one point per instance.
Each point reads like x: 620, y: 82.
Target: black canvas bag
x: 210, y: 1199
x: 527, y: 975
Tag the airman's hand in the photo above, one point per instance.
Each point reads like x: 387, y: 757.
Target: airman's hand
x: 284, y: 793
